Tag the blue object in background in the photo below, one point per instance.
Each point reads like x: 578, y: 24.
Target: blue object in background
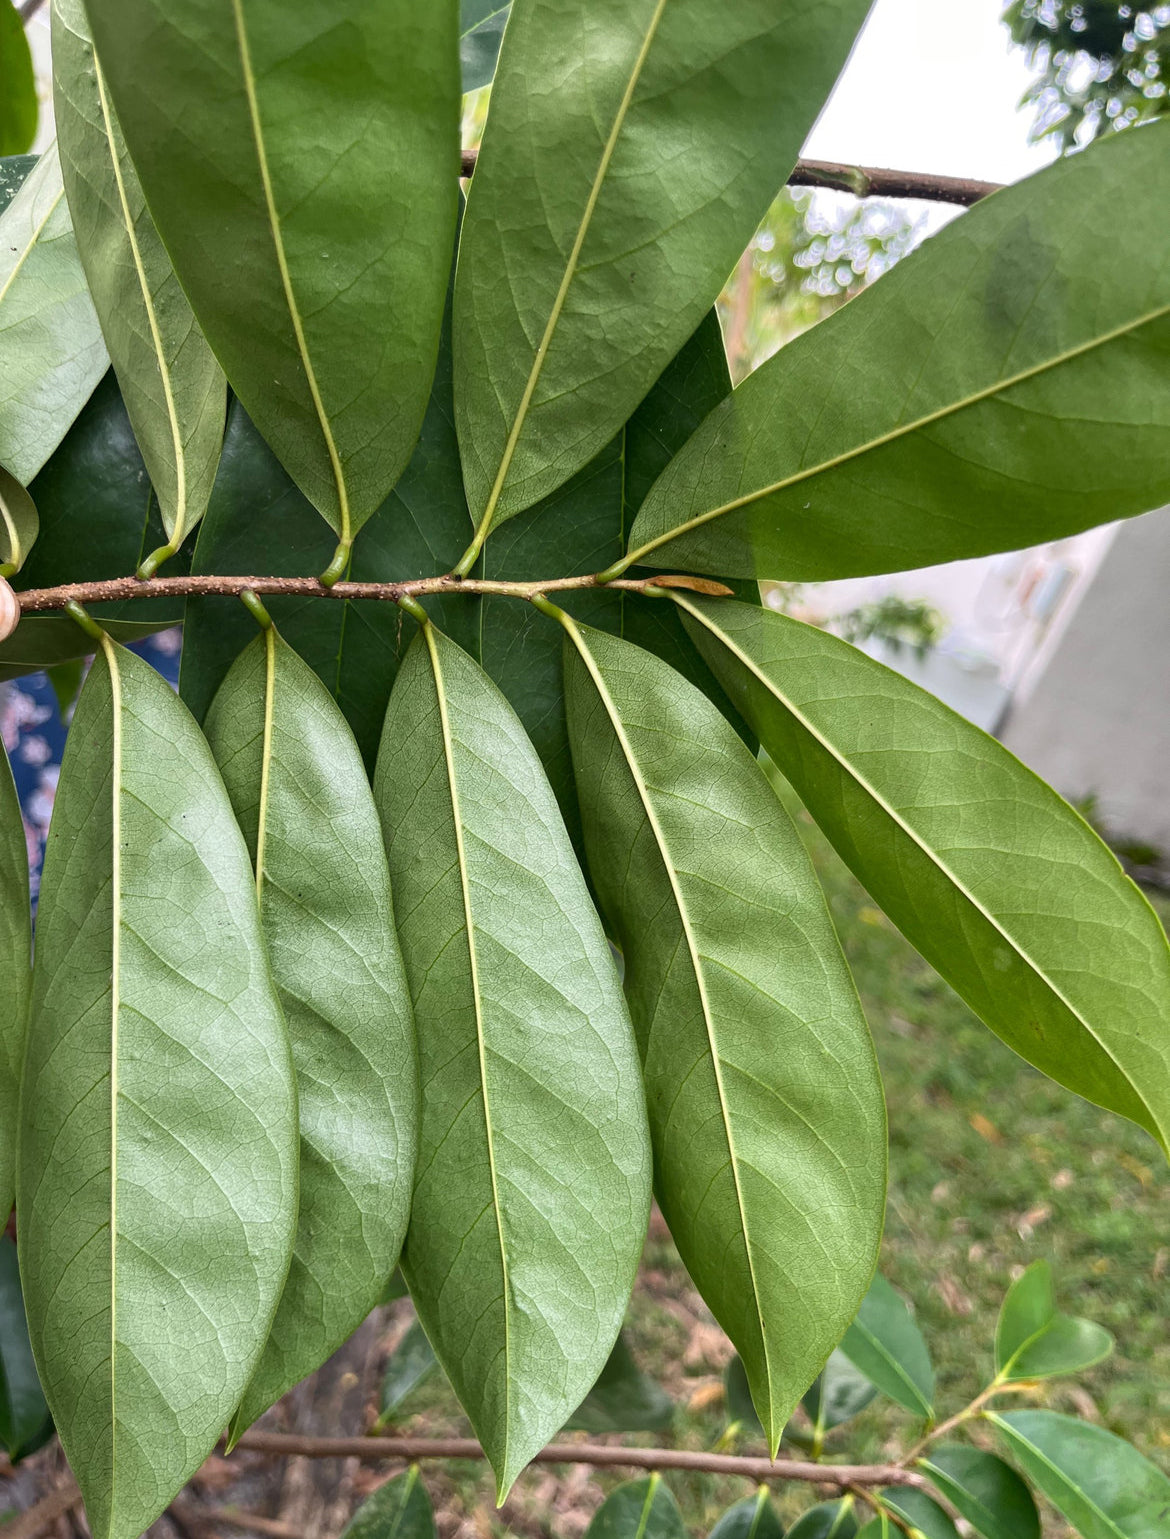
x: 34, y: 736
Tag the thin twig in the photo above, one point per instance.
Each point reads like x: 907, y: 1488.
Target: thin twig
x: 39, y: 1519
x: 411, y: 1449
x: 865, y: 181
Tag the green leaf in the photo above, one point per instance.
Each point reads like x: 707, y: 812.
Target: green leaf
x: 299, y: 792
x: 66, y: 680
x: 765, y: 1105
x: 411, y: 1363
x: 44, y: 642
x: 886, y: 1345
x: 984, y: 1490
x: 51, y: 349
x: 737, y: 1395
x: 999, y: 387
x: 18, y: 99
x: 598, y: 234
x: 174, y: 390
x: 15, y: 958
x: 158, y: 1107
x: 1000, y: 884
x: 325, y: 140
x: 1098, y: 1482
x: 753, y: 1518
x: 838, y: 1392
x: 18, y: 524
x: 481, y: 29
x: 639, y: 1509
x: 400, y: 1509
x: 827, y: 1520
x: 921, y: 1513
x: 25, y: 1423
x: 1033, y: 1340
x: 879, y: 1528
x: 14, y: 170
x: 532, y: 1196
x: 624, y: 1399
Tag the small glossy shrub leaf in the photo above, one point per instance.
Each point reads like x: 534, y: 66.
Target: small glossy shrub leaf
x: 51, y: 349
x: 598, y: 231
x: 1100, y: 1484
x: 880, y: 1527
x: 25, y: 1423
x: 984, y: 1490
x: 884, y: 1342
x: 158, y: 1107
x: 624, y: 1399
x: 639, y: 1509
x: 753, y: 1518
x: 737, y: 1394
x: 18, y: 99
x: 18, y: 524
x: 301, y: 164
x: 1033, y: 1340
x: 920, y: 1512
x: 15, y: 959
x: 838, y: 1392
x: 481, y: 28
x: 173, y: 388
x: 400, y: 1509
x: 998, y: 882
x: 532, y: 1195
x: 827, y: 1520
x: 299, y: 792
x: 411, y: 1363
x: 956, y: 407
x: 765, y: 1105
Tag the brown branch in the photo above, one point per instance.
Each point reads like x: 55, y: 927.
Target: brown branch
x: 37, y: 600
x: 40, y: 1519
x: 865, y: 181
x: 412, y: 1449
x: 199, y: 1515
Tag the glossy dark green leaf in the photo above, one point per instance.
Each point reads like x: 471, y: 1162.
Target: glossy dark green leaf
x: 158, y: 1106
x: 15, y: 957
x: 532, y: 1196
x: 481, y: 29
x: 18, y: 95
x: 827, y: 1520
x: 597, y: 234
x: 880, y: 1528
x: 920, y: 1512
x: 18, y: 524
x: 411, y: 1363
x: 737, y: 1394
x: 49, y: 641
x: 838, y: 1392
x: 25, y: 1423
x: 51, y: 349
x: 999, y: 883
x: 999, y: 387
x: 299, y: 792
x: 886, y: 1345
x: 984, y: 1490
x: 301, y: 164
x: 624, y: 1399
x: 753, y: 1518
x: 765, y: 1105
x: 173, y: 388
x: 639, y: 1509
x: 66, y: 679
x: 1098, y: 1482
x: 400, y: 1509
x: 1033, y: 1340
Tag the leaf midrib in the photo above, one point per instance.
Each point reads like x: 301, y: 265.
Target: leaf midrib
x: 265, y: 757
x: 570, y: 271
x: 952, y: 409
x: 940, y: 865
x: 110, y: 654
x: 696, y: 964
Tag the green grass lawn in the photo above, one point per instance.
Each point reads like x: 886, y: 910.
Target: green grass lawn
x: 991, y: 1167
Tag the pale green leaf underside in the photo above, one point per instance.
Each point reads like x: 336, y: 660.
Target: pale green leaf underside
x: 15, y: 956
x: 159, y: 1126
x: 995, y: 879
x: 1000, y: 387
x: 597, y: 231
x: 174, y: 390
x: 51, y: 349
x: 299, y: 791
x: 19, y: 524
x: 532, y: 1191
x: 765, y: 1104
x: 325, y: 140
